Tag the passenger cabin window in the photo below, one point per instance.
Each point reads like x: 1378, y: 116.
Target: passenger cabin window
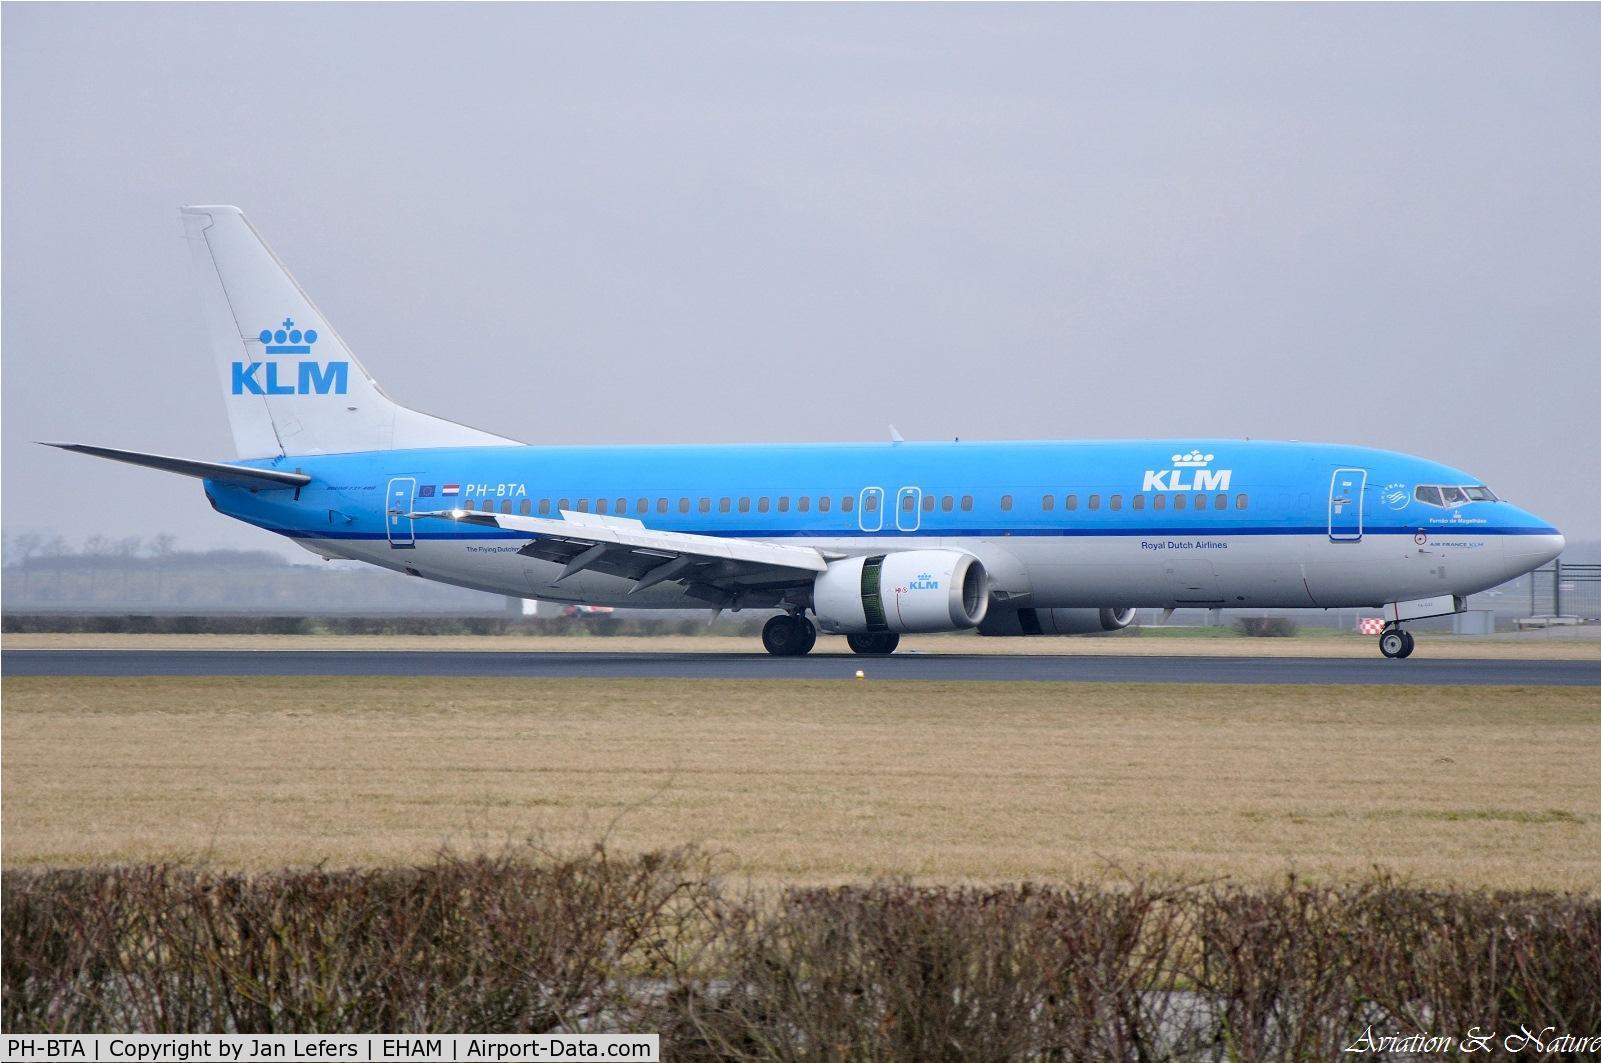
x: 1158, y: 502
x: 761, y: 504
x: 1220, y: 502
x: 705, y: 505
x: 1179, y: 501
x: 783, y: 503
x: 1116, y: 502
x: 600, y: 505
x: 744, y: 505
x: 928, y: 503
x: 908, y: 503
x: 467, y: 505
x: 1138, y: 502
x: 1048, y: 503
x: 583, y: 505
x: 544, y: 507
x: 661, y: 505
x: 967, y: 503
x: 946, y: 504
x: 870, y: 503
x: 683, y: 505
x: 822, y: 503
x: 1095, y: 501
x: 1241, y: 501
x: 847, y: 503
x: 724, y: 505
x: 642, y: 506
x: 622, y: 506
x: 505, y: 507
x: 803, y: 504
x: 564, y: 504
x: 1071, y: 502
x: 1006, y: 503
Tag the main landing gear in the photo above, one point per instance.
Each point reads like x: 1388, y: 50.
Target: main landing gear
x: 1395, y: 643
x: 877, y: 644
x: 792, y: 635
x: 789, y: 636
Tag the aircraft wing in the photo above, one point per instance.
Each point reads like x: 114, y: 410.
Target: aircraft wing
x: 714, y: 569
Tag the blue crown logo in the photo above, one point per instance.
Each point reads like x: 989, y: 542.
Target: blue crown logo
x: 288, y: 339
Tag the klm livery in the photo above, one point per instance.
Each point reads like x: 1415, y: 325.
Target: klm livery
x: 871, y: 540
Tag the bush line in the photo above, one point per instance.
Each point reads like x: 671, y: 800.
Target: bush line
x: 536, y: 942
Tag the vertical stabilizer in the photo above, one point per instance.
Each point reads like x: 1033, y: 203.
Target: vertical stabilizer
x: 290, y: 383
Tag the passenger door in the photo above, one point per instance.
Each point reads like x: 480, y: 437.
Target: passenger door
x: 1345, y: 505
x: 870, y: 509
x: 398, y: 503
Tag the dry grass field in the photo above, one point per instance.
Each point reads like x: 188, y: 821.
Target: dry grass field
x: 815, y: 782
x: 1552, y: 645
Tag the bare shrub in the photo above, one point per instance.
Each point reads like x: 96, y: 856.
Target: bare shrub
x: 533, y: 942
x: 897, y: 972
x: 504, y: 943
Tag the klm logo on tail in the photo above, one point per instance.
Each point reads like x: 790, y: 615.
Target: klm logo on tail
x: 277, y: 378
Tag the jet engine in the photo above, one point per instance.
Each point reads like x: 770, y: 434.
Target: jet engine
x: 1056, y: 621
x: 911, y: 590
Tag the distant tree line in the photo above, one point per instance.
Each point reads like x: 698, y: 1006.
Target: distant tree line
x: 44, y: 571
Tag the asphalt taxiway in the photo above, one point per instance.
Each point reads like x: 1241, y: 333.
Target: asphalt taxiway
x: 498, y: 664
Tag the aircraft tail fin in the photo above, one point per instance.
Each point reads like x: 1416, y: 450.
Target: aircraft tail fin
x: 290, y: 383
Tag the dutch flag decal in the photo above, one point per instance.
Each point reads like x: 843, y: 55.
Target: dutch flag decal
x: 450, y: 489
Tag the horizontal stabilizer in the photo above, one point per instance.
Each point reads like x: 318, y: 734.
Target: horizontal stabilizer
x: 238, y: 475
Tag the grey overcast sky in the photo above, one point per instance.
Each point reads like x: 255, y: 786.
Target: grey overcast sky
x: 630, y: 224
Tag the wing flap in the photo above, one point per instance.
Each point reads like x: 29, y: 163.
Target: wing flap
x: 621, y: 546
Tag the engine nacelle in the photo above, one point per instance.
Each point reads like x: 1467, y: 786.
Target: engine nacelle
x: 1056, y: 622
x: 912, y: 590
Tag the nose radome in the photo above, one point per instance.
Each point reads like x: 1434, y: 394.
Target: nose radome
x: 1553, y: 547
x: 1532, y: 551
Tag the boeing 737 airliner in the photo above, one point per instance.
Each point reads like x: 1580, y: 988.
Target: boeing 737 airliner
x: 872, y: 540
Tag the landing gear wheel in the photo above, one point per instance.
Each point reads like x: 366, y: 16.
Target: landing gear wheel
x: 1410, y: 644
x: 878, y: 644
x: 788, y: 636
x: 809, y: 631
x: 1395, y: 643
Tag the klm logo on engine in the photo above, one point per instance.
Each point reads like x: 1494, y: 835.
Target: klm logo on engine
x: 1189, y: 473
x: 290, y: 378
x: 925, y: 581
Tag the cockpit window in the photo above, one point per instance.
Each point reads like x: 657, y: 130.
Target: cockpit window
x: 1447, y: 496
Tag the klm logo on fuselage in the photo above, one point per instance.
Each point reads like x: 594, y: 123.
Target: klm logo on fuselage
x: 290, y: 378
x: 1189, y: 473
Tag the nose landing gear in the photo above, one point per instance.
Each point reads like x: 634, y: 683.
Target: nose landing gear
x: 1395, y: 642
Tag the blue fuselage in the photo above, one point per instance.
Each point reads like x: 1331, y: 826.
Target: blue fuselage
x: 1160, y: 523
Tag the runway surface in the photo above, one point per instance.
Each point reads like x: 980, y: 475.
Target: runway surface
x: 500, y: 664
